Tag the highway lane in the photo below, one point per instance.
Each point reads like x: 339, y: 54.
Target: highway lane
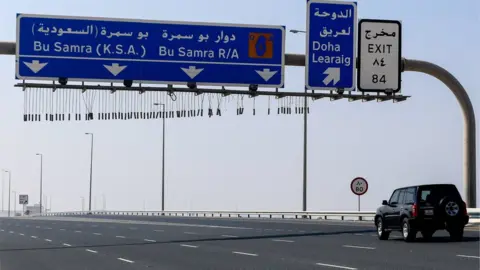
x: 249, y: 244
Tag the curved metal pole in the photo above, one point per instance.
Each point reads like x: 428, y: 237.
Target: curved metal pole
x: 469, y: 149
x: 469, y: 143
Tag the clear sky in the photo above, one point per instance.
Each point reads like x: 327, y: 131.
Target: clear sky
x: 254, y: 162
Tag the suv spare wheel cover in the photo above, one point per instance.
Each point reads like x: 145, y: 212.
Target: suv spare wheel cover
x: 452, y: 208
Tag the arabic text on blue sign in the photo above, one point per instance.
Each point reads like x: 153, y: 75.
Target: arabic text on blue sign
x: 78, y: 48
x: 331, y: 39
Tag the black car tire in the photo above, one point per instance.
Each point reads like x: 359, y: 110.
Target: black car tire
x: 427, y: 234
x: 381, y: 233
x: 408, y: 233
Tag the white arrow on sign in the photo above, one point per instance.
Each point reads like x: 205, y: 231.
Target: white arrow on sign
x: 333, y: 74
x: 35, y: 65
x: 266, y: 74
x: 115, y: 68
x: 192, y: 71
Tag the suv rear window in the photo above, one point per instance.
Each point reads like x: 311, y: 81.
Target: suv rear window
x: 433, y: 194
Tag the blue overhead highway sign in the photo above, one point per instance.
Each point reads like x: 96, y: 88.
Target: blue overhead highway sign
x: 331, y: 41
x: 114, y: 50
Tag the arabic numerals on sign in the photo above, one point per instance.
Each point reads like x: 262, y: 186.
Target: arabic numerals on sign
x: 378, y: 78
x: 359, y: 189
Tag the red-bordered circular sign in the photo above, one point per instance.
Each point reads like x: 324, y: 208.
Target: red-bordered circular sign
x: 359, y: 186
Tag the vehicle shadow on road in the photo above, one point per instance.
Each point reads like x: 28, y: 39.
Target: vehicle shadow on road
x: 198, y: 240
x: 442, y: 239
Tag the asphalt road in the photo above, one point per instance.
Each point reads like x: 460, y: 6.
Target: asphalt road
x: 203, y: 243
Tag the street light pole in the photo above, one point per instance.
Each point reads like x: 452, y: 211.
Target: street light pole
x: 9, y: 188
x: 14, y: 202
x: 163, y: 154
x: 41, y: 179
x: 91, y: 173
x: 3, y: 191
x: 305, y: 118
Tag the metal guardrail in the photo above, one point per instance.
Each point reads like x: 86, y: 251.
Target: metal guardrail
x: 330, y: 215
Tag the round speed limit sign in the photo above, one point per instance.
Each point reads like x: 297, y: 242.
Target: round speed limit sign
x: 359, y: 186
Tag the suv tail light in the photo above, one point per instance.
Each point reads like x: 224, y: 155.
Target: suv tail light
x: 415, y: 210
x: 465, y: 212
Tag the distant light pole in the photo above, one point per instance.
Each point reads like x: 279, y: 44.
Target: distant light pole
x: 41, y: 179
x: 3, y: 192
x: 163, y: 154
x: 83, y: 203
x: 9, y: 188
x: 91, y: 173
x: 304, y: 206
x: 14, y: 202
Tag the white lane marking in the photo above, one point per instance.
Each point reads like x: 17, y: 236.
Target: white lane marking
x: 96, y: 233
x: 158, y: 230
x: 189, y: 246
x: 38, y: 227
x: 283, y: 240
x: 244, y: 253
x: 149, y: 240
x: 48, y: 228
x: 120, y: 236
x: 78, y: 231
x: 92, y: 251
x: 62, y: 229
x: 67, y: 245
x: 48, y: 240
x: 336, y: 266
x: 2, y: 230
x: 468, y: 256
x: 11, y: 232
x: 358, y: 233
x: 226, y: 235
x: 301, y: 231
x: 125, y: 260
x: 21, y: 234
x: 189, y: 233
x: 349, y: 246
x: 132, y: 228
x: 268, y: 229
x: 33, y: 236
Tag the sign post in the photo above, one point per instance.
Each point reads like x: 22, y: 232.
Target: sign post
x: 380, y: 60
x: 331, y: 42
x: 67, y: 48
x: 23, y: 200
x: 359, y: 187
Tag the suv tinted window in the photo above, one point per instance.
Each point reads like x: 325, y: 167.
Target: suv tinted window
x: 394, y: 198
x: 410, y: 195
x: 433, y: 194
x: 401, y: 196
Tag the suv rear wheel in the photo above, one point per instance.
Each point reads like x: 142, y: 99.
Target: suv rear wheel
x: 408, y: 233
x: 381, y: 233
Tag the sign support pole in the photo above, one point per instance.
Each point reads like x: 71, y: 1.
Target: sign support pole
x: 469, y: 146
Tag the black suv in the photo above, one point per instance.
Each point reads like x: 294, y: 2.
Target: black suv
x: 425, y: 208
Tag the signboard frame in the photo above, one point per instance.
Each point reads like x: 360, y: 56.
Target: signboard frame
x: 359, y: 71
x: 260, y: 68
x: 357, y: 179
x: 24, y: 197
x: 352, y: 68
